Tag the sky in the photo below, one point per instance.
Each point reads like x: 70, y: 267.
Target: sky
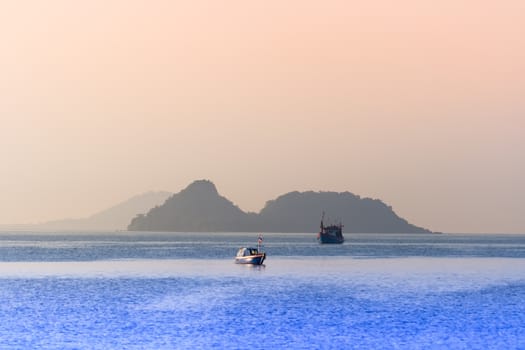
x: 417, y: 103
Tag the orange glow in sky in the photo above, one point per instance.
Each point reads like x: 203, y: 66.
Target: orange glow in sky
x: 418, y: 103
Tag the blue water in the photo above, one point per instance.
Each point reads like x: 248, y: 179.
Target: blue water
x: 183, y: 291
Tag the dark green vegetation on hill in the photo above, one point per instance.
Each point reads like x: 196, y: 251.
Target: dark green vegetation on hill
x: 200, y: 208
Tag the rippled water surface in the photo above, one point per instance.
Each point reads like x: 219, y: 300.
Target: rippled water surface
x: 182, y: 291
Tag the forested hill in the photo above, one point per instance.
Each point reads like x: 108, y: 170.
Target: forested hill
x: 200, y: 208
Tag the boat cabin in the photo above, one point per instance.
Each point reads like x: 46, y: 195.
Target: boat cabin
x: 247, y: 252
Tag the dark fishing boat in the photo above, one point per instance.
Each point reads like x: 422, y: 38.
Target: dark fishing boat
x: 251, y: 256
x: 330, y: 234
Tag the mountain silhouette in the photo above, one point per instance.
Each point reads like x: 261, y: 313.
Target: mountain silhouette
x: 200, y: 208
x: 115, y: 218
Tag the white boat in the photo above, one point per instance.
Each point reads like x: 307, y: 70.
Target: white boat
x: 249, y: 255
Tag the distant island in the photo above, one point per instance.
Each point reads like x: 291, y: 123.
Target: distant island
x: 112, y: 219
x: 200, y: 208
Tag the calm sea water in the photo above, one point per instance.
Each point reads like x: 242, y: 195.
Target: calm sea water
x: 183, y: 291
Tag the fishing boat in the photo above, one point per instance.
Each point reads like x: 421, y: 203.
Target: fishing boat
x: 251, y: 256
x: 332, y: 233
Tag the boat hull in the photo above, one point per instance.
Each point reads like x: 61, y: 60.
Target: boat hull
x: 251, y: 259
x: 330, y: 239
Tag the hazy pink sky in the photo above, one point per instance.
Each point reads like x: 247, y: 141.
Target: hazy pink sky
x: 418, y: 103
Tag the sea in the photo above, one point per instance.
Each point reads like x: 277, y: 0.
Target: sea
x: 132, y: 290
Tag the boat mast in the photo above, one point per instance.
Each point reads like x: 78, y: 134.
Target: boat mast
x: 259, y: 241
